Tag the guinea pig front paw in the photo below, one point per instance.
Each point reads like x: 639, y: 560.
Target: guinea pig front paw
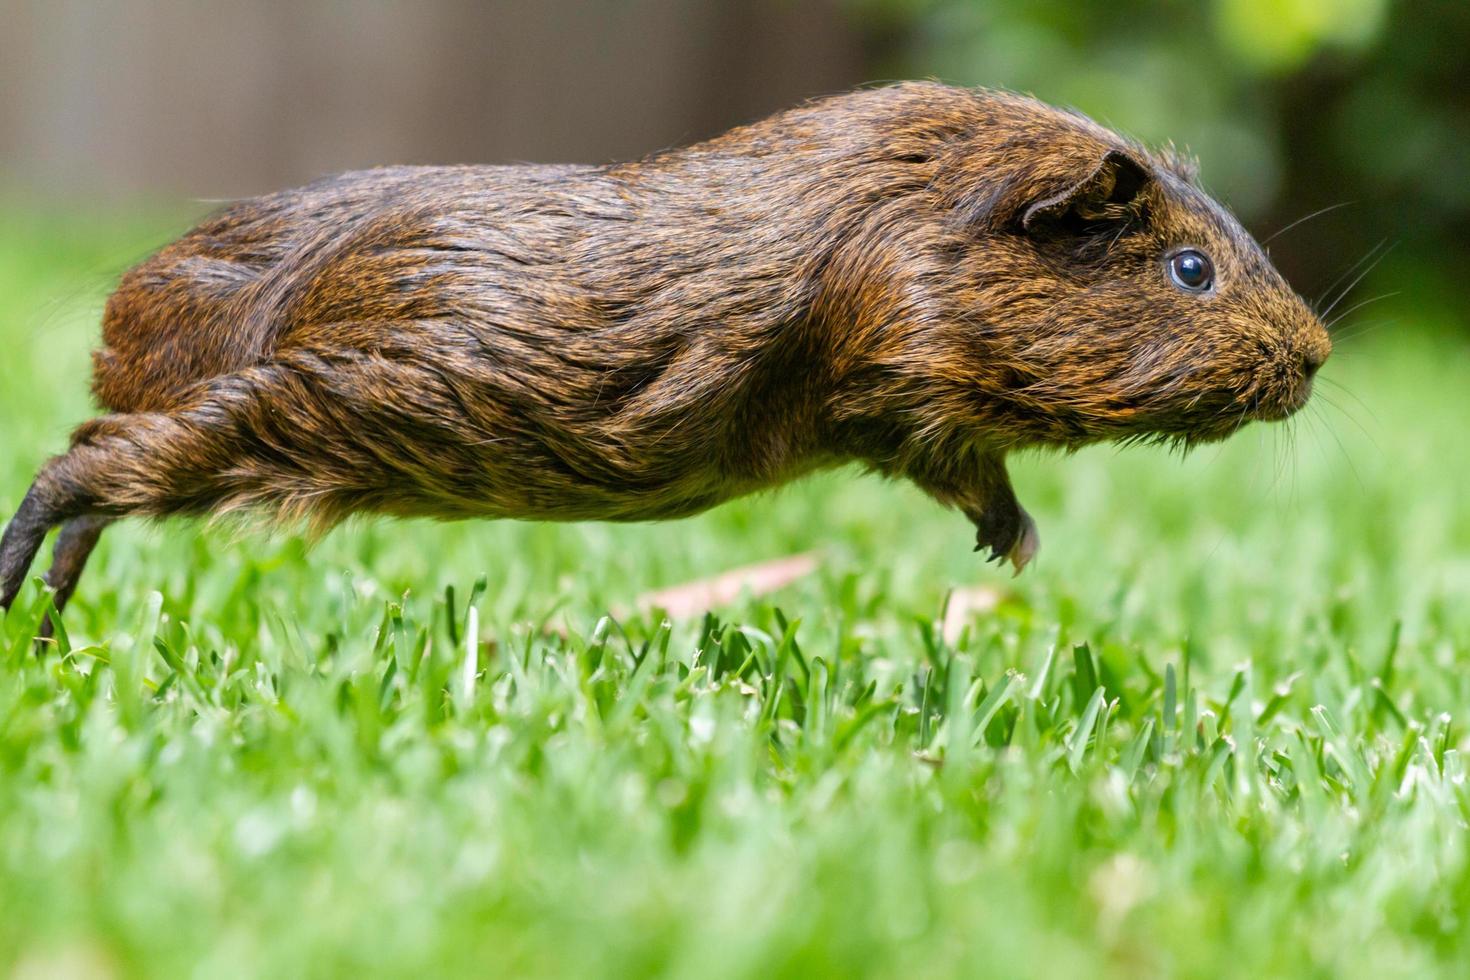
x: 1028, y: 543
x: 1009, y: 533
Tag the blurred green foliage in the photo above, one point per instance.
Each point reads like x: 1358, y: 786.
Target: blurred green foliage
x: 1291, y: 106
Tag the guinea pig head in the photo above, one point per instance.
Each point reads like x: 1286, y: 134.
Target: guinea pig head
x: 1105, y: 296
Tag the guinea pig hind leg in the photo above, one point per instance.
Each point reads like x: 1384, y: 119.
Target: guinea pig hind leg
x: 37, y: 514
x: 286, y: 438
x: 56, y: 497
x: 69, y: 556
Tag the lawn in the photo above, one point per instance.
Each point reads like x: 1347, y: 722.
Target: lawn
x: 1215, y: 730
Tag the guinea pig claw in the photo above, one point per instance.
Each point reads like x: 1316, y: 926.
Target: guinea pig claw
x: 995, y: 553
x: 1028, y: 542
x: 1008, y: 533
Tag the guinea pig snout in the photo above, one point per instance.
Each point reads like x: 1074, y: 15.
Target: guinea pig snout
x: 1314, y: 350
x: 1284, y: 383
x: 1304, y: 358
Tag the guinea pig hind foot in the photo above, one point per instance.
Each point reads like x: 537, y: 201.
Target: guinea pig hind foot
x: 22, y: 539
x: 1008, y: 532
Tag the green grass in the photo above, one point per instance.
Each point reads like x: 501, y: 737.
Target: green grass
x: 1216, y: 730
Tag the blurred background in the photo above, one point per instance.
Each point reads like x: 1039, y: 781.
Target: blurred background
x: 1291, y: 105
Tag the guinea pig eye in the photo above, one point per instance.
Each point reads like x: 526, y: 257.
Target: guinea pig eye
x: 1191, y: 270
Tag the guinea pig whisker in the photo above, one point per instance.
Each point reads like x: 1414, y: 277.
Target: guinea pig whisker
x: 1353, y: 419
x: 1298, y: 424
x: 1351, y: 394
x: 1275, y: 485
x: 1303, y: 220
x: 1321, y: 418
x: 1288, y: 478
x: 1291, y: 462
x: 1282, y: 455
x: 1357, y: 279
x: 1360, y: 329
x: 1346, y: 273
x: 1311, y: 420
x: 1358, y: 306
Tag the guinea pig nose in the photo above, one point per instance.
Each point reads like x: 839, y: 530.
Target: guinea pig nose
x: 1314, y: 354
x: 1311, y: 361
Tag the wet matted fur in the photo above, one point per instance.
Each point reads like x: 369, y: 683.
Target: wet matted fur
x: 919, y: 278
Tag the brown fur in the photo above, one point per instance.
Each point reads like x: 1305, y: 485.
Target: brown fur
x: 919, y: 278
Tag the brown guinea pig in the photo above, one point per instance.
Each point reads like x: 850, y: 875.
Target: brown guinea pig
x: 919, y: 278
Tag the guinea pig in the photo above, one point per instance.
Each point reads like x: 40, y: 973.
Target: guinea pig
x: 917, y: 278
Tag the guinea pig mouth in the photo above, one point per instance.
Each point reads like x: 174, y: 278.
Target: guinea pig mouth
x: 1282, y: 400
x: 1283, y: 384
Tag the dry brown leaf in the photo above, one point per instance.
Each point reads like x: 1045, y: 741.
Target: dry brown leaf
x: 696, y: 598
x: 965, y: 603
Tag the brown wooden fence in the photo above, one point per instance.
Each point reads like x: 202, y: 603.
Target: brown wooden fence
x: 219, y: 98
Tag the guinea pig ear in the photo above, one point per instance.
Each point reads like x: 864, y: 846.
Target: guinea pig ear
x: 1108, y: 193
